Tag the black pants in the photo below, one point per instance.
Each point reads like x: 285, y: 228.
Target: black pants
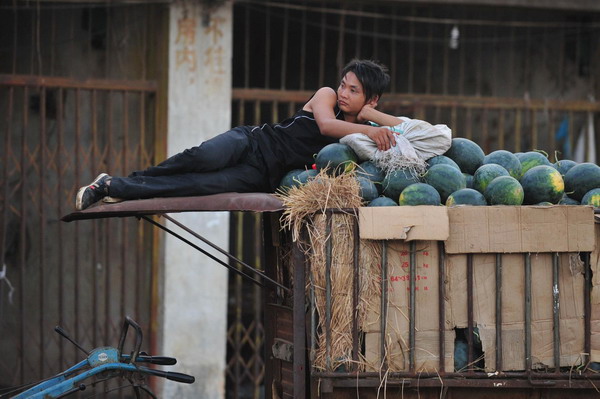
x: 229, y: 162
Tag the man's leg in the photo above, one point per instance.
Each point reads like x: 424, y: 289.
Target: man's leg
x: 240, y: 178
x: 219, y: 152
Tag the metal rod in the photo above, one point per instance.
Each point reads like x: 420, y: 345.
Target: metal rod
x: 299, y: 320
x: 233, y: 269
x: 42, y: 235
x: 442, y: 306
x: 470, y: 350
x: 412, y: 302
x: 528, y: 312
x: 328, y: 251
x: 356, y: 293
x: 556, y: 310
x: 230, y: 256
x: 587, y: 307
x: 383, y: 305
x: 74, y: 83
x: 498, y: 312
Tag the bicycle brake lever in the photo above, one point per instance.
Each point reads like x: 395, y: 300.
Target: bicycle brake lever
x: 162, y: 360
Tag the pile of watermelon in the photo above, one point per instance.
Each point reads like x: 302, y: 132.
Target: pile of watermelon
x: 465, y: 175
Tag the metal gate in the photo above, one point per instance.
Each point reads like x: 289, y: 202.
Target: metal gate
x: 58, y: 134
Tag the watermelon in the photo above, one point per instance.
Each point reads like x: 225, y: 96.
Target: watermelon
x: 566, y: 200
x: 506, y: 159
x: 466, y: 153
x: 531, y: 159
x: 504, y: 190
x: 468, y: 180
x: 545, y: 203
x: 383, y: 201
x: 485, y: 174
x: 466, y: 196
x: 461, y: 355
x: 542, y: 183
x: 592, y: 197
x: 446, y: 179
x: 371, y: 171
x: 519, y: 155
x: 442, y: 159
x: 564, y: 166
x: 290, y: 180
x: 337, y: 158
x: 582, y: 178
x: 396, y: 181
x: 368, y: 190
x: 419, y: 194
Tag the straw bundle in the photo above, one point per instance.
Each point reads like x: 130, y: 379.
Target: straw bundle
x: 305, y: 206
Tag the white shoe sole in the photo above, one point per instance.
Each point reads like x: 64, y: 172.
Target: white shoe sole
x: 79, y: 197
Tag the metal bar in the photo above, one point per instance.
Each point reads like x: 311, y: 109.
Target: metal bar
x: 59, y: 239
x: 412, y: 321
x: 78, y: 168
x: 231, y: 257
x: 299, y: 322
x: 284, y: 48
x: 441, y: 100
x: 191, y: 244
x: 384, y: 300
x: 23, y: 236
x: 442, y: 306
x: 356, y: 293
x: 328, y: 251
x: 258, y: 308
x: 498, y: 312
x: 556, y: 311
x: 534, y: 134
x: 528, y: 312
x: 42, y: 221
x: 470, y: 350
x: 238, y: 323
x: 501, y: 376
x: 267, y: 46
x: 96, y: 256
x: 518, y: 130
x: 587, y: 307
x: 322, y: 49
x: 501, y: 130
x: 74, y: 83
x: 303, y: 51
x: 411, y: 53
x: 313, y: 318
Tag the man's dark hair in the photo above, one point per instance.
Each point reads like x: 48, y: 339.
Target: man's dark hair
x: 372, y: 75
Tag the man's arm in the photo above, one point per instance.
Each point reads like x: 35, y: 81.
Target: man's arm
x: 369, y: 113
x: 322, y: 105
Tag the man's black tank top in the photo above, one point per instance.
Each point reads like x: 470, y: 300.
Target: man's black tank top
x: 291, y: 144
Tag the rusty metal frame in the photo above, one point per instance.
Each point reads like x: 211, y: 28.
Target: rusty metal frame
x: 528, y: 378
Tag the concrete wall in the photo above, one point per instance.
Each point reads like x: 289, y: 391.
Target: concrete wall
x: 194, y: 311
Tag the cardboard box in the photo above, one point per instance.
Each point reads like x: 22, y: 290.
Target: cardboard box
x: 504, y: 229
x: 404, y: 223
x: 483, y: 232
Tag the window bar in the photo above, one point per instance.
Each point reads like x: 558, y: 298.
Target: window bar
x: 518, y: 130
x: 42, y: 235
x: 412, y: 310
x: 470, y: 313
x: 59, y: 187
x: 442, y: 306
x: 498, y: 312
x: 534, y: 134
x: 328, y: 250
x: 528, y: 312
x: 356, y: 293
x: 501, y: 129
x: 587, y: 307
x: 23, y: 237
x: 384, y: 299
x: 556, y: 310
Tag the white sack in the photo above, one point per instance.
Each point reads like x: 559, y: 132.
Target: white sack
x: 416, y: 142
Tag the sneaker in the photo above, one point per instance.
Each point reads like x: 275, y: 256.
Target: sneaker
x: 112, y: 200
x: 88, y: 195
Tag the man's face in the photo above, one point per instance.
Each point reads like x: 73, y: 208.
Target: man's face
x: 351, y: 97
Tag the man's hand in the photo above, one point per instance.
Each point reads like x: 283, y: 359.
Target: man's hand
x: 383, y: 137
